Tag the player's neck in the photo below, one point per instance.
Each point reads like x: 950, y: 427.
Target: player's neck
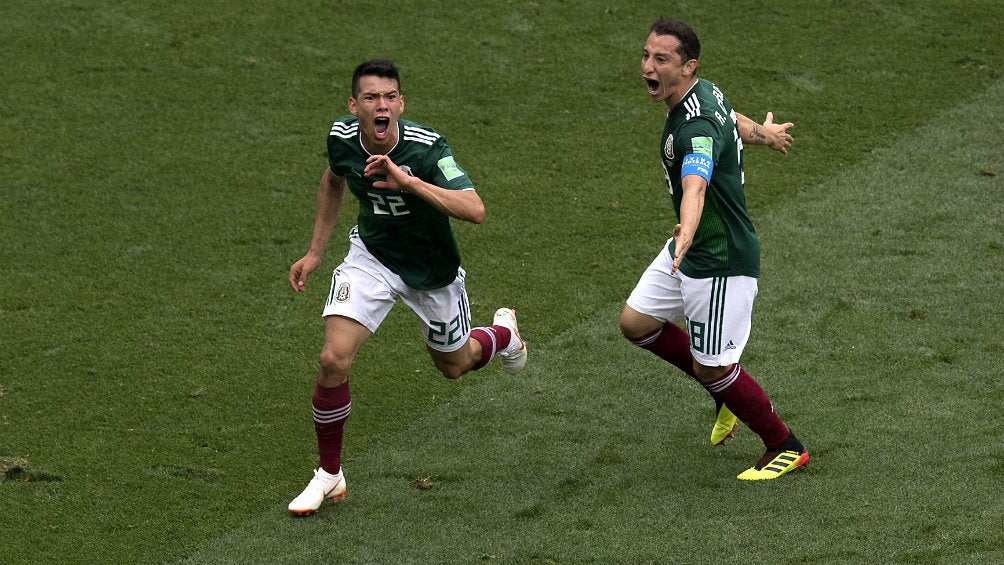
x: 673, y: 100
x: 382, y: 147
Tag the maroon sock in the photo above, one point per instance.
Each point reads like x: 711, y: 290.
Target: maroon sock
x: 671, y: 344
x: 492, y: 339
x: 749, y: 403
x: 331, y: 408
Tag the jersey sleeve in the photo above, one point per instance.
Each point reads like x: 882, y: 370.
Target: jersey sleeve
x: 443, y: 170
x: 343, y: 130
x: 701, y: 136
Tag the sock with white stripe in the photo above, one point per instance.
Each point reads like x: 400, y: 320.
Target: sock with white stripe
x: 671, y: 344
x: 331, y: 409
x: 492, y: 339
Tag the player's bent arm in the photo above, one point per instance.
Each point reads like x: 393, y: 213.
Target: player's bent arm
x: 461, y: 204
x: 772, y: 135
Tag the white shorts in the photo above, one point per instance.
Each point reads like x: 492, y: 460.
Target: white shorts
x: 363, y: 289
x: 717, y: 312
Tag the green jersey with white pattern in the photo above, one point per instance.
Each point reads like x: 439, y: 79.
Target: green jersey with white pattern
x: 725, y: 243
x: 404, y: 232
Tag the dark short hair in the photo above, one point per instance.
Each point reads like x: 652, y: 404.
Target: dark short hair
x: 384, y: 68
x: 690, y: 46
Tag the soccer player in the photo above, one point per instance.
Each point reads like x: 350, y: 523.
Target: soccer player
x: 706, y: 275
x: 402, y: 248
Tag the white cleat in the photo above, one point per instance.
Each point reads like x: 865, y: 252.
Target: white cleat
x: 323, y: 486
x: 513, y: 357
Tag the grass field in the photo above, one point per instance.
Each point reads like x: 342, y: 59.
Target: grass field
x: 159, y: 168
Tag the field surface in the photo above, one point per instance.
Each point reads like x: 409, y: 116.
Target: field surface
x: 158, y: 168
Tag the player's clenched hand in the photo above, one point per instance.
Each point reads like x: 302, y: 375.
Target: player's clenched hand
x: 397, y: 179
x: 776, y: 136
x: 300, y: 270
x: 681, y: 241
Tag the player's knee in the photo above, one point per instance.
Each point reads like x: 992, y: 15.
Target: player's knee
x: 625, y: 329
x: 333, y: 365
x: 451, y: 370
x: 707, y: 375
x: 623, y: 326
x: 454, y: 366
x: 628, y: 326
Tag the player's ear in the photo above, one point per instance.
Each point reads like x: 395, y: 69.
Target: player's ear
x: 690, y: 67
x: 352, y: 106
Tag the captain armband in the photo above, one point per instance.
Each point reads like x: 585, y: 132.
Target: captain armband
x: 697, y: 164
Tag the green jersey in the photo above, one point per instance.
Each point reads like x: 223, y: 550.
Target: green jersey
x: 404, y: 232
x: 725, y: 243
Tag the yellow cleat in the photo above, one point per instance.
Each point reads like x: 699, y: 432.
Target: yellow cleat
x: 725, y: 426
x: 774, y: 464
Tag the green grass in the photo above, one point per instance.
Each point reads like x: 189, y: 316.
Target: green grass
x: 160, y: 168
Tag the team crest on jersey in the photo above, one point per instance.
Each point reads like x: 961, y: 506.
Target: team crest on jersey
x: 668, y: 149
x: 342, y: 294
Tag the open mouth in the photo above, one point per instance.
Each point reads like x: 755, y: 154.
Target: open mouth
x: 381, y: 125
x: 653, y: 85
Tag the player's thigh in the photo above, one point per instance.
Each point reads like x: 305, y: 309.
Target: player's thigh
x: 444, y: 314
x: 359, y: 292
x: 658, y: 293
x: 719, y: 314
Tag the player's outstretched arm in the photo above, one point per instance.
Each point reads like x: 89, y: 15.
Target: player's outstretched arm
x: 691, y: 209
x: 768, y: 133
x: 330, y: 197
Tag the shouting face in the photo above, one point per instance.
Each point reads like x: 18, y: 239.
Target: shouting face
x: 667, y: 74
x: 378, y: 106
